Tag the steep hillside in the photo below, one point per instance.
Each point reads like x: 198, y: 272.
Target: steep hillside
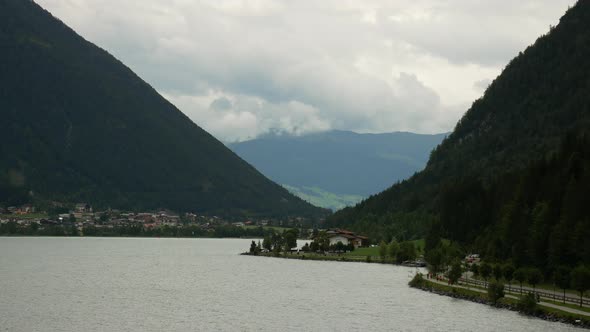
x: 333, y: 167
x: 78, y: 125
x: 541, y: 96
x: 535, y: 216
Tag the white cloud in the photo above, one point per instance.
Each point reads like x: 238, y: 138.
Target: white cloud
x: 482, y: 85
x: 241, y: 68
x: 241, y: 117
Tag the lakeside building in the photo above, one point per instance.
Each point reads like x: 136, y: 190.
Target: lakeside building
x: 346, y: 237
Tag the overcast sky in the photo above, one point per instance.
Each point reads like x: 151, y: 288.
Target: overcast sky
x: 241, y: 68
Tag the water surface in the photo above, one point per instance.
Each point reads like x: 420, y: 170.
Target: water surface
x: 123, y: 284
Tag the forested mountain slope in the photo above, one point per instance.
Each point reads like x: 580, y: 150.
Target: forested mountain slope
x: 535, y: 216
x: 78, y: 125
x: 524, y: 116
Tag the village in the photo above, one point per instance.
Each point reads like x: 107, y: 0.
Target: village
x: 82, y: 219
x: 83, y: 216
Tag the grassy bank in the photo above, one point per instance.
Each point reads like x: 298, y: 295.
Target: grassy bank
x: 542, y: 286
x: 543, y: 312
x: 347, y: 257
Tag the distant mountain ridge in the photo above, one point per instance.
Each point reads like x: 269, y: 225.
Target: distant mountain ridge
x: 78, y: 125
x: 342, y: 164
x: 319, y: 197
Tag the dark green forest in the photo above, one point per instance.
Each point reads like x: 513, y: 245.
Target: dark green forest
x: 510, y: 180
x: 79, y: 126
x: 537, y: 216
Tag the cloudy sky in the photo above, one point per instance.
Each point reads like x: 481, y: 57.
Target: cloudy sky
x: 241, y: 68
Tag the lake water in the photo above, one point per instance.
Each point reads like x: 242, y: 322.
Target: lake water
x: 122, y: 284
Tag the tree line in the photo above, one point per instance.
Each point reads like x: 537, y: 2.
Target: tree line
x: 66, y: 229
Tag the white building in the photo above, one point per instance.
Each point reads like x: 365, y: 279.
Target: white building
x: 346, y: 237
x: 338, y: 238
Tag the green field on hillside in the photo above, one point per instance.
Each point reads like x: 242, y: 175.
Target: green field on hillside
x: 322, y: 198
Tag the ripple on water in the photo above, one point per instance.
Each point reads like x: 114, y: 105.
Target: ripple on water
x: 107, y: 284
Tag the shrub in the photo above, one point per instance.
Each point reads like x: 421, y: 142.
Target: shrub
x: 528, y: 304
x: 418, y: 281
x: 495, y: 292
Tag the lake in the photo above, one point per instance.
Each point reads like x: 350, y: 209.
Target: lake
x: 128, y: 284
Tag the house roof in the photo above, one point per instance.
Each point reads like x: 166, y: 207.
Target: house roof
x: 344, y: 233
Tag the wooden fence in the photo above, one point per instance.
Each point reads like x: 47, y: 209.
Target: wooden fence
x: 543, y: 294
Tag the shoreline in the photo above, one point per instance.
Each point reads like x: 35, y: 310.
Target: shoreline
x: 540, y: 312
x: 330, y: 258
x: 120, y: 237
x: 428, y: 286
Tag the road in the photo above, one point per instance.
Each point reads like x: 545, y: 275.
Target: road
x: 549, y: 294
x: 543, y: 303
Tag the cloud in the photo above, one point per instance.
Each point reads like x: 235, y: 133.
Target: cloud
x: 221, y: 104
x: 241, y: 117
x: 482, y: 85
x: 242, y: 68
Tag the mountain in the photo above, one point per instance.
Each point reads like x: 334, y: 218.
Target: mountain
x: 337, y: 168
x: 319, y: 197
x: 523, y: 119
x: 78, y: 125
x: 536, y: 216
